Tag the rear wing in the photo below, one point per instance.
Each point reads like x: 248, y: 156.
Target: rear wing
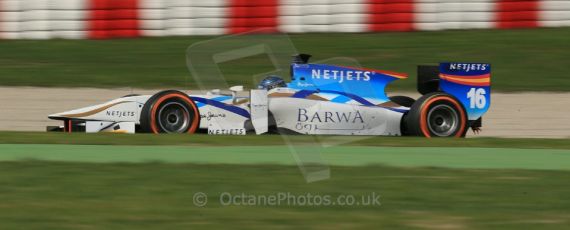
x: 470, y: 83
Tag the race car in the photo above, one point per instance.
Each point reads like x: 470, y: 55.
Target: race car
x: 319, y: 99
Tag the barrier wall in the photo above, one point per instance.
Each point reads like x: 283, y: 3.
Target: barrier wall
x: 103, y: 19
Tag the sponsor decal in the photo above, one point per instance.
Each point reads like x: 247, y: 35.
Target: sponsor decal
x: 468, y: 67
x: 303, y: 84
x: 341, y: 75
x: 119, y: 114
x: 209, y: 116
x: 329, y: 117
x: 238, y: 131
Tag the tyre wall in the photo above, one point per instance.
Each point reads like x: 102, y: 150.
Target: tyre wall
x: 105, y: 19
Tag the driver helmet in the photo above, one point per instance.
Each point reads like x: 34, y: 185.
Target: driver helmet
x: 271, y: 82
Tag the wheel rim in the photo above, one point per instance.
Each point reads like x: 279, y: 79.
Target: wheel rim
x: 174, y: 117
x: 442, y: 120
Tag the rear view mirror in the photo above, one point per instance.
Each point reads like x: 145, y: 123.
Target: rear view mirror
x: 237, y: 88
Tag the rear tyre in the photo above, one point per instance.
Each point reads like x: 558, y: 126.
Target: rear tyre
x: 169, y: 111
x: 436, y: 115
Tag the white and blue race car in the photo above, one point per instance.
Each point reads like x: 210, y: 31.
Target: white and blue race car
x: 319, y: 100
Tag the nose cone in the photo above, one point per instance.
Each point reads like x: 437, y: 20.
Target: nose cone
x: 86, y: 112
x: 76, y: 113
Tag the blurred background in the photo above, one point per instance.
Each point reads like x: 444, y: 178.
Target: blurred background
x: 159, y: 31
x: 104, y: 19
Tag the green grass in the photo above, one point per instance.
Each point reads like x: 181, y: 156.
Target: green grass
x: 40, y: 195
x: 446, y: 157
x: 101, y: 181
x: 253, y: 140
x: 523, y: 60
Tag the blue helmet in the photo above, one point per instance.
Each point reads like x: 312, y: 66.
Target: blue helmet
x: 271, y: 82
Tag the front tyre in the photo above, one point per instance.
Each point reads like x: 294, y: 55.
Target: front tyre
x: 436, y: 115
x: 169, y: 111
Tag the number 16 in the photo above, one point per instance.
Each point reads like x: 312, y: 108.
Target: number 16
x: 477, y: 98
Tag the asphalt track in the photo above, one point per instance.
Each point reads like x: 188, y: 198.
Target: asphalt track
x: 538, y: 115
x: 451, y: 157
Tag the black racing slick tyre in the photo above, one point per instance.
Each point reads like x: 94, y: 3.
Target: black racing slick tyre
x: 436, y: 115
x: 169, y: 111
